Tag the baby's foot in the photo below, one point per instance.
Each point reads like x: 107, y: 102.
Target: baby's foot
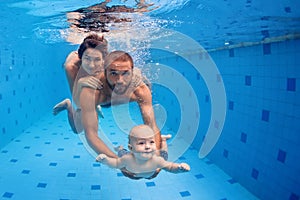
x: 166, y: 137
x: 63, y: 105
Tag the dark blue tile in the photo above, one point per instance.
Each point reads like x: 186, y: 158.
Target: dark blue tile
x: 7, y: 195
x: 199, y: 176
x: 52, y: 164
x: 265, y: 114
x: 13, y: 160
x: 60, y: 149
x: 230, y: 105
x: 266, y: 49
x: 206, y: 98
x: 76, y: 156
x: 38, y: 155
x: 25, y: 171
x: 225, y: 153
x: 254, y: 173
x: 231, y: 52
x: 291, y: 84
x: 95, y: 187
x: 42, y: 185
x: 181, y: 158
x: 4, y: 151
x: 150, y: 184
x: 294, y: 197
x: 248, y: 80
x: 287, y: 9
x: 243, y: 137
x: 71, y: 174
x: 96, y: 164
x: 119, y: 174
x: 232, y: 181
x: 27, y: 147
x: 185, y: 193
x: 126, y: 199
x: 281, y: 155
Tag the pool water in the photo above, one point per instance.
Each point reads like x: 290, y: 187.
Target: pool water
x: 49, y: 161
x: 250, y: 66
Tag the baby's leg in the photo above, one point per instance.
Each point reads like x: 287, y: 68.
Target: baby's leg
x: 63, y: 105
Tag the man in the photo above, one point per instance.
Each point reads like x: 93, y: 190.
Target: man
x: 121, y: 84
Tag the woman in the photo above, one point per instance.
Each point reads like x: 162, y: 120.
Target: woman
x: 81, y: 67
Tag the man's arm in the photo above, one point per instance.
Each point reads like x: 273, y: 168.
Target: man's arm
x: 90, y: 121
x: 144, y: 99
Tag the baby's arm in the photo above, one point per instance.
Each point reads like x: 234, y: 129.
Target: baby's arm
x: 111, y: 162
x: 173, y: 167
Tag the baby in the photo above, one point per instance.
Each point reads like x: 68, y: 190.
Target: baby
x: 142, y: 161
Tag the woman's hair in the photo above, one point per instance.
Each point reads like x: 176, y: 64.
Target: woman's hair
x: 117, y: 56
x: 93, y: 41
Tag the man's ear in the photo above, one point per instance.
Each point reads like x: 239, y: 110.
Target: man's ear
x: 129, y: 147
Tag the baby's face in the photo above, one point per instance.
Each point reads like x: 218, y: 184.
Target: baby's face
x: 143, y: 148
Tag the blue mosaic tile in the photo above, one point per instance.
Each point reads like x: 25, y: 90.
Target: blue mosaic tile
x: 266, y: 49
x: 185, y: 193
x: 232, y: 181
x: 7, y: 195
x: 41, y: 185
x: 4, y: 151
x: 60, y: 149
x: 230, y: 105
x: 291, y: 84
x: 254, y: 173
x: 13, y: 160
x: 71, y: 174
x: 265, y: 114
x: 53, y: 164
x: 243, y: 137
x: 231, y: 52
x: 27, y: 147
x: 294, y: 197
x: 76, y: 156
x: 150, y: 184
x: 281, y: 155
x: 225, y: 153
x: 198, y: 176
x: 38, y: 155
x: 95, y: 187
x: 287, y: 9
x: 181, y: 158
x: 248, y: 80
x: 96, y: 164
x: 119, y: 174
x: 25, y: 171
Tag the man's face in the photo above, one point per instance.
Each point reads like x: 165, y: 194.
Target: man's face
x: 119, y: 75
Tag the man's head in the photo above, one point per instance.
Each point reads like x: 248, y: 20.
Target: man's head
x: 118, y: 71
x: 141, y: 142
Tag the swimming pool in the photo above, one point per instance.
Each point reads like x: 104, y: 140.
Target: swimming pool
x: 213, y: 73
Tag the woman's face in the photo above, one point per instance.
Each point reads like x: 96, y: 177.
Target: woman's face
x: 92, y: 61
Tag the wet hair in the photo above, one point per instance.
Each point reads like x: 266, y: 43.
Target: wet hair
x: 117, y: 56
x: 93, y: 41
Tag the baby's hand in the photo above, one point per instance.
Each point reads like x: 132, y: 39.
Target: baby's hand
x: 101, y: 157
x: 184, y: 167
